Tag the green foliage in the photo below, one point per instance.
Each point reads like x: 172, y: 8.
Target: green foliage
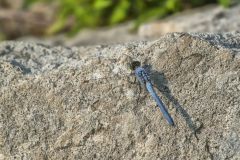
x: 92, y: 13
x: 28, y: 3
x: 120, y: 11
x: 225, y: 3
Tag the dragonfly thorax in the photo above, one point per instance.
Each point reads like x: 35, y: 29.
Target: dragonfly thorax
x: 142, y: 75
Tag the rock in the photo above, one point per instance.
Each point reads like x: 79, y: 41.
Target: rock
x: 81, y: 103
x: 207, y: 19
x: 11, y: 4
x: 101, y: 36
x: 105, y: 35
x: 15, y: 23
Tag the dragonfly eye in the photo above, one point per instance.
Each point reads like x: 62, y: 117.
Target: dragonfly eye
x: 134, y: 65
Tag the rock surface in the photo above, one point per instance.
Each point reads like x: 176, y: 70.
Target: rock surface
x: 81, y: 103
x: 16, y: 22
x: 206, y: 19
x: 105, y: 35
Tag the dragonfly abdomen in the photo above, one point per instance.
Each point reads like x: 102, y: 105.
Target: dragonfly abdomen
x: 159, y: 103
x: 144, y: 78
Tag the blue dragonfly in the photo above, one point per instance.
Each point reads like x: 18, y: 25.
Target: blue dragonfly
x: 144, y: 78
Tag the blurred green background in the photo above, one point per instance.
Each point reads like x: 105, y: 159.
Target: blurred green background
x: 97, y: 13
x: 94, y: 13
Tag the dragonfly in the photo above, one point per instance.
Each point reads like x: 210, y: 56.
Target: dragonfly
x: 143, y: 77
x: 141, y: 73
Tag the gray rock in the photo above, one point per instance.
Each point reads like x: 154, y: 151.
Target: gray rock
x: 211, y: 18
x: 205, y: 19
x: 105, y: 35
x: 81, y: 103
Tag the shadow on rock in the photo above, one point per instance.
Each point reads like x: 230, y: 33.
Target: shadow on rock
x: 161, y: 83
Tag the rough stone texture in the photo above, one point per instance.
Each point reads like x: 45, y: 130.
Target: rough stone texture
x: 81, y: 103
x: 207, y: 19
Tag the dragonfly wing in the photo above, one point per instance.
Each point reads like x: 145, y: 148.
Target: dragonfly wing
x: 159, y: 103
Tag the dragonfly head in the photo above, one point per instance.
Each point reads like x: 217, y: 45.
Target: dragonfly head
x: 134, y: 65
